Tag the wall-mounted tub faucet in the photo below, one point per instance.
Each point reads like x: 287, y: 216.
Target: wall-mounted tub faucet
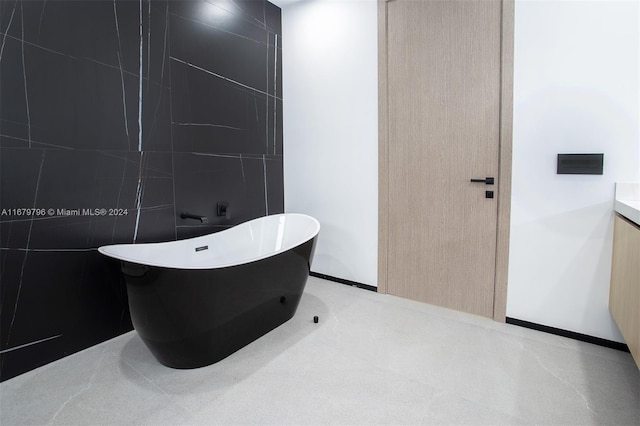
x: 185, y: 215
x: 223, y: 209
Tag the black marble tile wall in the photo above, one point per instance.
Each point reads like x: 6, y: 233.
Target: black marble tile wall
x: 115, y: 117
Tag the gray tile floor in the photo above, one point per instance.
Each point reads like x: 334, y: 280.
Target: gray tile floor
x: 372, y: 359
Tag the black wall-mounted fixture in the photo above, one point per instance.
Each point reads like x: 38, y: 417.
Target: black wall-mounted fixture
x: 580, y: 164
x: 185, y: 215
x: 222, y: 209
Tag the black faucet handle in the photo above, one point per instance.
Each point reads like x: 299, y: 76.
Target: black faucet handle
x: 222, y: 209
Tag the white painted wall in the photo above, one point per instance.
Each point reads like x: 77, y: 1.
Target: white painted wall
x: 331, y: 130
x: 576, y: 90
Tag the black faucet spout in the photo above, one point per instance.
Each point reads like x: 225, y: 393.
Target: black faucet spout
x: 185, y: 215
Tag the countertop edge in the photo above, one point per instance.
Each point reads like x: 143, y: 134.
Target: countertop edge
x: 627, y: 210
x: 627, y: 201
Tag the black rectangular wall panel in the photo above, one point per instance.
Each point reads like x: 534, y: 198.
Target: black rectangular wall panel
x: 115, y: 117
x: 580, y: 164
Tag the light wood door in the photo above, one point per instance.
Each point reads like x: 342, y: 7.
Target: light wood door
x: 443, y: 112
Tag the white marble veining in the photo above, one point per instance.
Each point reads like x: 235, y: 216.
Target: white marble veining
x: 141, y: 50
x: 6, y: 30
x: 11, y: 349
x: 244, y: 177
x: 139, y: 194
x: 372, y: 359
x: 118, y: 54
x: 275, y: 91
x: 207, y: 125
x: 628, y: 200
x: 44, y: 5
x: 266, y: 192
x: 224, y: 78
x: 28, y: 246
x: 35, y: 142
x: 24, y: 76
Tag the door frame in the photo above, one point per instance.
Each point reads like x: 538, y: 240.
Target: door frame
x: 505, y: 154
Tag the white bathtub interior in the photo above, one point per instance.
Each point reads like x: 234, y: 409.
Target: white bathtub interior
x: 247, y: 242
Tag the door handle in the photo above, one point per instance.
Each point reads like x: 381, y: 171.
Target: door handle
x: 487, y: 181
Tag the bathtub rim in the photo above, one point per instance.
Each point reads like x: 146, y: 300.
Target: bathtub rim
x: 106, y: 249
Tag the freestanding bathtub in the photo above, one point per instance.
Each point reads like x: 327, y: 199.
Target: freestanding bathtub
x: 196, y: 301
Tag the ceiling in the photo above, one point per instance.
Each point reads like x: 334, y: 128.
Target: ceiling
x: 283, y: 3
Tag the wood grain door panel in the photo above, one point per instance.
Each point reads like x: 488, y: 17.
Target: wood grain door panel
x: 444, y: 129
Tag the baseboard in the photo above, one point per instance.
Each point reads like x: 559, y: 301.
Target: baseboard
x: 343, y: 281
x: 570, y: 334
x: 513, y: 321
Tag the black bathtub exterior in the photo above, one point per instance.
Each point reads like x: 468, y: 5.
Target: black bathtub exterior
x: 190, y: 318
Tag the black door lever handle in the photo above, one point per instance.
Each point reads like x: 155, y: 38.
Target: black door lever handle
x: 487, y: 181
